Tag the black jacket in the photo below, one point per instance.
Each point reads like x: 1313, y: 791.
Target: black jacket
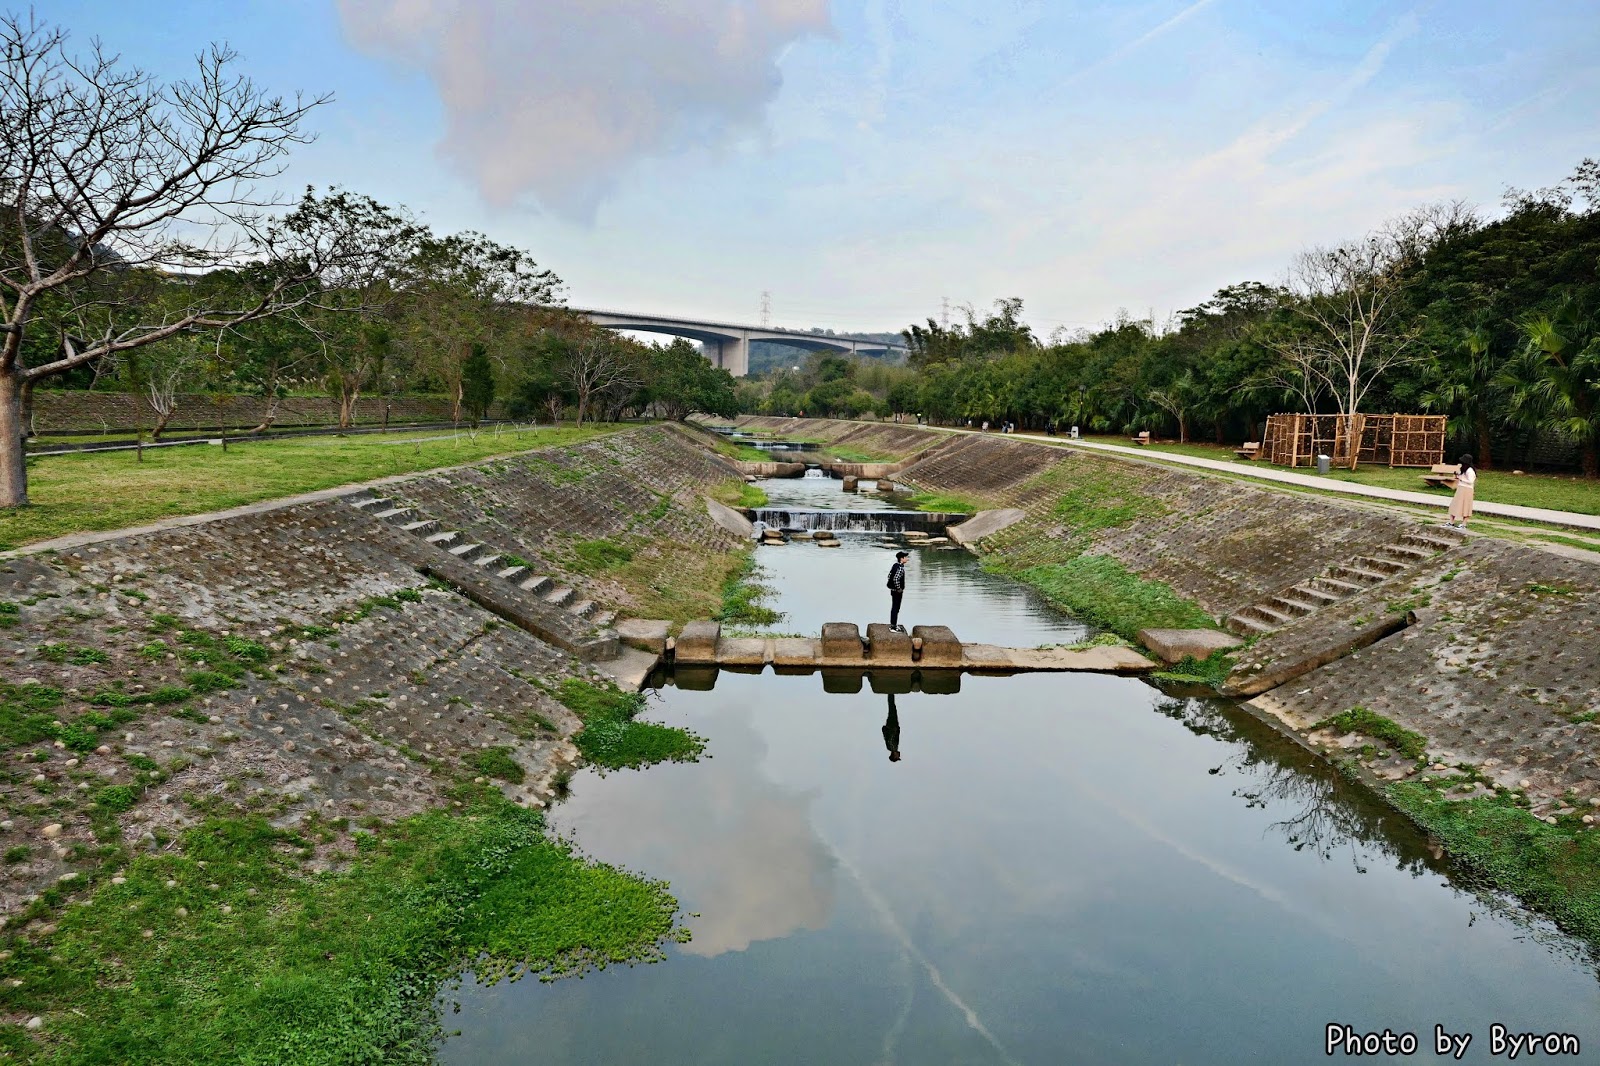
x: 897, y: 577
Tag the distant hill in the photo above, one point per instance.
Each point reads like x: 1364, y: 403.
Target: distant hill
x: 766, y: 355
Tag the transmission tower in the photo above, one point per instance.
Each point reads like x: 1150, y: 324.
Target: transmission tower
x: 944, y: 312
x: 766, y: 308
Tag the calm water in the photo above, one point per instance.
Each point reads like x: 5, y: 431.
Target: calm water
x: 1058, y: 869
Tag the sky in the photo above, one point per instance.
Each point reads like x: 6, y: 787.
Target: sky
x: 864, y: 161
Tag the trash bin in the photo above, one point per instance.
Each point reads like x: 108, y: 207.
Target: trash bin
x: 1324, y: 464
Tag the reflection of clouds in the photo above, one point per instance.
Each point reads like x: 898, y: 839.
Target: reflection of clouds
x: 738, y: 849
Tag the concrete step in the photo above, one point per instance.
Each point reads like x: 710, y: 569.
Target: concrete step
x: 583, y: 608
x: 392, y: 513
x: 487, y: 559
x: 559, y: 596
x: 1355, y: 575
x: 536, y: 584
x: 510, y: 573
x: 1322, y: 597
x: 1293, y: 605
x: 1407, y: 553
x: 444, y: 538
x: 604, y: 619
x: 1246, y: 626
x: 464, y: 551
x: 1438, y: 542
x: 422, y: 525
x: 1336, y: 586
x: 370, y: 501
x: 1375, y: 564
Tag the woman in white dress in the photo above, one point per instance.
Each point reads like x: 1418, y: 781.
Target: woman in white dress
x: 1461, y: 504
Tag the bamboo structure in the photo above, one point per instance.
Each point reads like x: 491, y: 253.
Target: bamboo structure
x: 1382, y: 440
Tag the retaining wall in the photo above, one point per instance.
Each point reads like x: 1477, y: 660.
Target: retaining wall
x: 56, y: 411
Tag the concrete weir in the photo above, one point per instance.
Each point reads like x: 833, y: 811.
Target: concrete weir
x: 841, y: 645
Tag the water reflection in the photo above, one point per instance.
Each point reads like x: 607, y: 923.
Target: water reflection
x: 1055, y: 860
x: 891, y: 731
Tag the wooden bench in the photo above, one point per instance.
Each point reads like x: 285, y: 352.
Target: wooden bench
x: 1249, y: 450
x: 1143, y: 438
x: 1442, y: 474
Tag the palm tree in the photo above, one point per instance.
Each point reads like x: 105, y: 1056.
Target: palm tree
x: 1554, y: 381
x: 1463, y: 382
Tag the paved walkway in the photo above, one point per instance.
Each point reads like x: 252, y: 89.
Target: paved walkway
x: 1287, y: 477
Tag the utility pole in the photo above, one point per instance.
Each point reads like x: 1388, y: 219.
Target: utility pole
x: 766, y: 309
x: 944, y: 312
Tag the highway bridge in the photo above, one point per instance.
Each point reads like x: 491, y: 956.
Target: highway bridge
x: 727, y: 344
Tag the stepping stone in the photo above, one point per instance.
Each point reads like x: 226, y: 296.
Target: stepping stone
x: 939, y: 645
x: 794, y: 652
x: 741, y: 651
x: 841, y: 640
x: 645, y: 634
x: 1174, y: 644
x: 888, y: 646
x: 697, y: 642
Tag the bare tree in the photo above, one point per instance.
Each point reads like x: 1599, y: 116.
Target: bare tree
x: 107, y: 175
x: 1347, y: 299
x: 594, y: 363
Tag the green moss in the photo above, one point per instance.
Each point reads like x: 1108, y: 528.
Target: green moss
x: 497, y: 762
x: 1104, y: 593
x: 1103, y: 499
x: 1212, y: 670
x: 1554, y: 868
x: 941, y: 502
x: 612, y: 735
x: 24, y: 717
x: 269, y: 967
x: 742, y: 595
x: 598, y: 556
x: 1371, y: 724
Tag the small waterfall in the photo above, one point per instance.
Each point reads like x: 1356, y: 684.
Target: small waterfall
x: 792, y: 518
x: 815, y: 472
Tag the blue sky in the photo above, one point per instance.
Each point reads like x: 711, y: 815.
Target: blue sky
x: 862, y: 159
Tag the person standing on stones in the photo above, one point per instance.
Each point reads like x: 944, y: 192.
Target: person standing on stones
x: 1461, y: 504
x: 897, y: 589
x: 891, y: 731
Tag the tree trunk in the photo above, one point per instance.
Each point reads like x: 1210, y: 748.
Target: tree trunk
x: 162, y: 418
x: 27, y: 408
x: 1591, y: 456
x: 268, y: 419
x: 13, y: 464
x: 1183, y: 430
x: 1484, y: 460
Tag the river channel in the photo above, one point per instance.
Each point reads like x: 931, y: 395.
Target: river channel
x: 1056, y: 869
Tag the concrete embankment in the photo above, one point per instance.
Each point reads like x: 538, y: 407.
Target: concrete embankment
x: 1486, y: 648
x: 343, y: 657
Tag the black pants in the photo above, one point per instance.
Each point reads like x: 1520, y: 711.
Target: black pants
x: 894, y: 606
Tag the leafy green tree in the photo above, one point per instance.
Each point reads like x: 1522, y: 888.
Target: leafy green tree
x: 1554, y: 381
x: 477, y: 383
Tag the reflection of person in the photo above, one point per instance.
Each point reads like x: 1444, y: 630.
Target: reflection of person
x: 897, y: 587
x: 1465, y: 484
x: 891, y: 731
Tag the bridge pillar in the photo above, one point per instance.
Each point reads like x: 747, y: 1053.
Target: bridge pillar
x: 731, y: 354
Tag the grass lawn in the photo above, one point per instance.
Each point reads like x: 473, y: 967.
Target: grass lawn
x: 109, y: 490
x: 1558, y: 492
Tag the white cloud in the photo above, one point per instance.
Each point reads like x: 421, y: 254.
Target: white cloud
x: 556, y: 100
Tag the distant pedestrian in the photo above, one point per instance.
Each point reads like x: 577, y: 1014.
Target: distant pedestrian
x: 897, y: 589
x: 1465, y: 483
